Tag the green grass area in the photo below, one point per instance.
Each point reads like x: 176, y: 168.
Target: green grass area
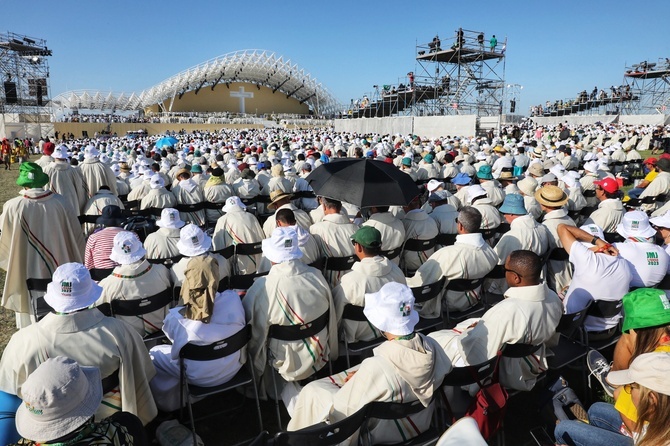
x: 8, y: 189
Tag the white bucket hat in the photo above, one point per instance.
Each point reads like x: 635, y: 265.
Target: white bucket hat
x: 127, y: 248
x: 282, y: 246
x: 232, y: 202
x: 193, y: 241
x: 91, y: 152
x: 433, y: 185
x: 60, y: 153
x: 635, y: 224
x: 156, y: 182
x: 170, y: 219
x: 71, y: 289
x: 662, y: 221
x: 58, y: 398
x: 391, y: 309
x: 476, y: 191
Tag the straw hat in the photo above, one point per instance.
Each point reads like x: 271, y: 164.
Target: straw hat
x: 277, y: 195
x: 551, y: 196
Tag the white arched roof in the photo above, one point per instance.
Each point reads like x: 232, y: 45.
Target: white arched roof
x: 258, y: 67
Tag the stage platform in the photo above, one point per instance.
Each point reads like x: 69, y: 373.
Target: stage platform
x: 460, y: 55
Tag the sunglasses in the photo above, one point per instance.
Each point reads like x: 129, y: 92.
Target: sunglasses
x: 628, y: 388
x: 507, y: 270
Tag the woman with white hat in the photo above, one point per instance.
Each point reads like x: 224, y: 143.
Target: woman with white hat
x: 407, y: 367
x: 135, y: 278
x: 646, y: 382
x: 59, y: 403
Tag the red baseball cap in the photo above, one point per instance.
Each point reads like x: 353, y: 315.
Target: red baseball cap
x: 650, y: 161
x: 665, y: 156
x: 609, y: 185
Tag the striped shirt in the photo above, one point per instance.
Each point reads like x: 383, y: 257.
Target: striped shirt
x: 99, y: 247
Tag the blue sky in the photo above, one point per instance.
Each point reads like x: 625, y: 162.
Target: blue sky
x: 555, y: 49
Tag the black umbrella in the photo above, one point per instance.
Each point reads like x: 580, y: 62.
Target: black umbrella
x: 363, y: 182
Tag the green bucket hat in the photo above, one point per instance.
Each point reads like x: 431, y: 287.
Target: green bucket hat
x: 484, y: 173
x: 31, y: 176
x: 368, y: 237
x: 645, y: 308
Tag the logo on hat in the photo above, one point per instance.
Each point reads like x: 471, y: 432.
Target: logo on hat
x: 664, y: 301
x: 66, y: 288
x: 635, y: 225
x: 288, y: 243
x: 405, y: 309
x: 172, y: 216
x: 126, y: 248
x: 32, y: 409
x: 652, y: 258
x: 195, y: 240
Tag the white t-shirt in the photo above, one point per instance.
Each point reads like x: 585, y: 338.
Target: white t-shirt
x: 648, y: 262
x: 596, y: 277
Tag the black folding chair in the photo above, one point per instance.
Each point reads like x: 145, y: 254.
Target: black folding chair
x: 518, y: 351
x: 292, y: 333
x: 423, y: 294
x: 416, y: 245
x: 392, y: 253
x: 98, y: 274
x: 167, y: 262
x: 244, y: 281
x: 605, y: 338
x: 445, y: 239
x: 36, y: 290
x: 140, y: 307
x: 464, y: 286
x: 216, y: 350
x: 323, y: 434
x: 355, y: 313
x: 397, y: 411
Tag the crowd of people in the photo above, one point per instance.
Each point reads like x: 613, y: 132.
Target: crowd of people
x: 535, y: 215
x: 619, y: 93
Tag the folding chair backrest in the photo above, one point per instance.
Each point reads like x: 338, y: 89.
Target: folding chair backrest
x: 340, y: 263
x: 190, y: 207
x: 318, y: 263
x: 298, y: 332
x: 464, y: 284
x: 393, y: 411
x: 664, y: 284
x: 248, y: 249
x: 613, y: 237
x: 138, y: 307
x: 467, y: 375
x: 428, y: 292
x: 226, y: 252
x: 392, y: 253
x: 416, y: 245
x: 605, y: 308
x: 216, y: 350
x: 570, y: 323
x: 558, y: 254
x: 519, y: 350
x: 323, y: 434
x: 498, y: 272
x: 353, y: 313
x: 37, y: 288
x: 167, y: 262
x: 445, y: 239
x: 98, y: 274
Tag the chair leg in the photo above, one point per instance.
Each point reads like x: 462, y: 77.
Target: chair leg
x: 190, y: 414
x: 255, y: 385
x: 274, y: 384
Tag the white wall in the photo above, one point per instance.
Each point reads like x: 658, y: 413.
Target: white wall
x: 428, y: 126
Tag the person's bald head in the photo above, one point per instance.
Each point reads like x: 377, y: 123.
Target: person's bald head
x: 523, y: 268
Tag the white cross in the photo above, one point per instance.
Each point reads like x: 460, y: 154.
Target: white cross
x: 242, y: 95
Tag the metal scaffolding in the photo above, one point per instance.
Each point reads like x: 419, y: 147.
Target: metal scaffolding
x: 650, y: 82
x: 24, y: 68
x: 465, y: 75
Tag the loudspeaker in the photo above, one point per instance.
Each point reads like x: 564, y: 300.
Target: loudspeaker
x: 10, y: 93
x: 39, y: 95
x: 512, y: 106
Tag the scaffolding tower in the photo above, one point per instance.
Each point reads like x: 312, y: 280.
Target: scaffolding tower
x: 24, y: 68
x: 650, y: 82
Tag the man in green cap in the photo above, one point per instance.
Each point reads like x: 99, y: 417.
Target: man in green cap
x: 40, y: 231
x: 367, y: 276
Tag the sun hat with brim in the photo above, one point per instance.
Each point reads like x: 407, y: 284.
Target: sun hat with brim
x: 170, y: 219
x: 548, y: 178
x: 31, y: 176
x: 476, y: 191
x: 368, y: 236
x: 536, y: 169
x: 551, y: 196
x: 391, y: 309
x: 58, y: 398
x: 662, y: 221
x: 513, y: 205
x: 91, y: 152
x: 649, y: 370
x: 193, y: 241
x: 434, y: 184
x: 484, y: 173
x: 71, y: 289
x: 232, y: 202
x: 282, y: 246
x: 60, y: 153
x: 196, y: 168
x: 181, y: 172
x: 506, y: 175
x: 275, y: 196
x: 528, y: 186
x: 156, y: 182
x: 594, y: 230
x: 645, y: 308
x: 111, y: 216
x: 127, y: 248
x: 635, y: 224
x: 461, y: 179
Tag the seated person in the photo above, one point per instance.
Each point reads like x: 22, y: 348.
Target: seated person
x: 470, y: 257
x: 206, y: 317
x: 60, y: 400
x: 135, y: 278
x: 81, y: 332
x: 162, y: 244
x: 645, y: 380
x: 194, y: 243
x: 599, y: 274
x: 407, y: 367
x: 529, y: 313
